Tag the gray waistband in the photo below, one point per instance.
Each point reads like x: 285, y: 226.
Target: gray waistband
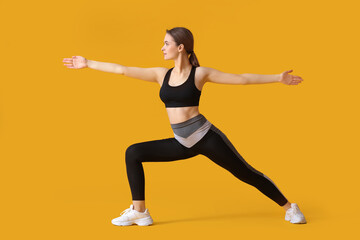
x: 199, y: 117
x: 186, y: 128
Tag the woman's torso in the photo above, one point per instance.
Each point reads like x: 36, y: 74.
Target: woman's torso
x: 181, y: 114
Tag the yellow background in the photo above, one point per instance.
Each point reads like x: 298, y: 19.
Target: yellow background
x: 64, y: 132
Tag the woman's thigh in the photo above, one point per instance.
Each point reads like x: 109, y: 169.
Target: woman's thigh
x: 217, y: 147
x: 161, y: 150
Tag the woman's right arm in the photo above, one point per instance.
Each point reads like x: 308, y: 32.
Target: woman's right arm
x: 154, y: 74
x: 105, y: 66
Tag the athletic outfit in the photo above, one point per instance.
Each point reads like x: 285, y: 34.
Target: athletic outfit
x: 192, y: 137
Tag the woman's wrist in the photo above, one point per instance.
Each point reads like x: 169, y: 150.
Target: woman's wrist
x: 89, y: 63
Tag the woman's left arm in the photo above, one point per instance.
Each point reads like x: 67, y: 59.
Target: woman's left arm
x: 216, y: 76
x: 284, y: 78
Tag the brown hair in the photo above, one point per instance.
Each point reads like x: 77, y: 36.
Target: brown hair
x: 184, y: 36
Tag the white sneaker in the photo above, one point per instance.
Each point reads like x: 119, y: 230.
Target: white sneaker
x: 130, y: 216
x: 294, y: 215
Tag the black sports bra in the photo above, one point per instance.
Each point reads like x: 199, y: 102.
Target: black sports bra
x: 182, y: 95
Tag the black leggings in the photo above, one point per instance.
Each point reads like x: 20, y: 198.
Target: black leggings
x: 214, y: 145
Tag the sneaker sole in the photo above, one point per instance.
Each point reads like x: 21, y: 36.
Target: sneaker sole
x: 301, y: 222
x: 140, y: 222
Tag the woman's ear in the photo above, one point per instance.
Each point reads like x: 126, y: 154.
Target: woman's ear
x: 181, y: 47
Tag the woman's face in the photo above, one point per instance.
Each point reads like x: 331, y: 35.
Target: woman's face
x: 170, y: 50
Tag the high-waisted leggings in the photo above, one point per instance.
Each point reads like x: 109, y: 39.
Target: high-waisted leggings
x: 193, y: 137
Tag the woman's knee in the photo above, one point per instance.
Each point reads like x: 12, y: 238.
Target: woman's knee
x: 133, y: 153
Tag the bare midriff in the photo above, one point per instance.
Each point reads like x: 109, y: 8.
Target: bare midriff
x: 181, y: 114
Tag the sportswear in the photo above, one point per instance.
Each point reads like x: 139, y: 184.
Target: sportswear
x: 130, y: 216
x: 294, y: 215
x: 184, y: 95
x: 195, y: 138
x: 191, y: 131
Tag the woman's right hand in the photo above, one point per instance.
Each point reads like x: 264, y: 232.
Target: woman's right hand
x: 76, y: 62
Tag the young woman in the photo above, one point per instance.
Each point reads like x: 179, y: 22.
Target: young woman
x: 180, y: 90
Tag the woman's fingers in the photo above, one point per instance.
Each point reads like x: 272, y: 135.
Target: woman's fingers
x: 70, y: 59
x: 75, y: 62
x: 69, y: 65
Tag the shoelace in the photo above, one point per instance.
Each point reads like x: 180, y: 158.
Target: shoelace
x: 125, y: 211
x: 294, y: 210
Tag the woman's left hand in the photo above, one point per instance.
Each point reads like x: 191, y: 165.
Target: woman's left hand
x: 288, y: 79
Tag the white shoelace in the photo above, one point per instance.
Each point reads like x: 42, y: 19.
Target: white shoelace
x: 294, y: 210
x: 125, y: 211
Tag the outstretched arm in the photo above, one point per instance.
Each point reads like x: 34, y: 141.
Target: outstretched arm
x: 78, y: 62
x: 106, y: 66
x: 216, y: 76
x: 252, y: 78
x: 153, y: 74
x: 284, y: 78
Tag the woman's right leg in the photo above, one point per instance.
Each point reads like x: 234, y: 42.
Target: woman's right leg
x: 218, y: 148
x: 163, y: 150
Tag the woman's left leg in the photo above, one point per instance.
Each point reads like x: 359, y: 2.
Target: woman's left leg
x: 218, y: 148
